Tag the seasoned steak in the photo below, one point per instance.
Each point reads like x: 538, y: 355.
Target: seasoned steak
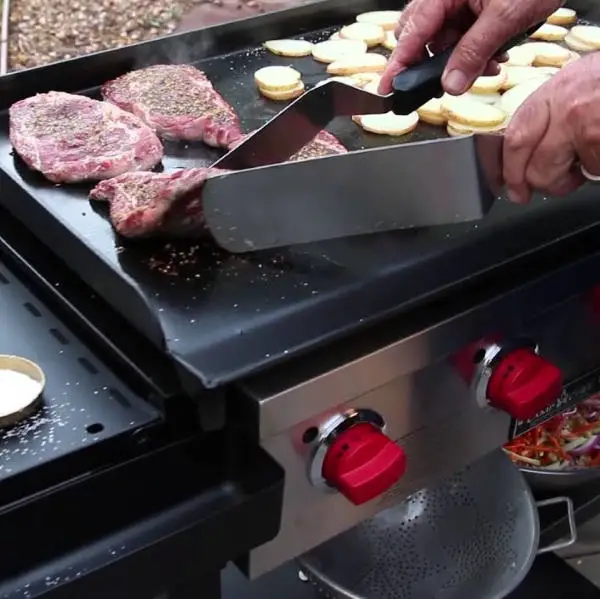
x: 144, y: 204
x: 170, y: 204
x: 72, y: 138
x: 178, y: 102
x: 325, y: 144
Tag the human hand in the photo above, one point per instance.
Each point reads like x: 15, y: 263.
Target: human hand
x: 478, y: 27
x: 555, y: 133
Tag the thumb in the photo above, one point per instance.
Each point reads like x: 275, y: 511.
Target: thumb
x: 498, y: 22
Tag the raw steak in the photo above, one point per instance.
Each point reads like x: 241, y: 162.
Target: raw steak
x: 170, y: 204
x: 144, y: 204
x: 178, y: 102
x: 72, y: 138
x: 325, y: 144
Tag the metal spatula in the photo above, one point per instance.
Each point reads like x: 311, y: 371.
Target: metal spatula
x: 411, y: 185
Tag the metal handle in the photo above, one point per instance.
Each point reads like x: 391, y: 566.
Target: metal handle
x: 418, y: 84
x: 571, y: 520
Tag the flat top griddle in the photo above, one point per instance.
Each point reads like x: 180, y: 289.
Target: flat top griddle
x: 221, y: 316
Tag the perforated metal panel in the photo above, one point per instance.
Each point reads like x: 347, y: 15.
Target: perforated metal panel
x: 85, y: 404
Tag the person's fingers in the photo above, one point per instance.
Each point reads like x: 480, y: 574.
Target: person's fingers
x: 405, y: 16
x: 446, y: 38
x: 392, y: 69
x: 492, y: 68
x: 586, y: 138
x: 551, y: 167
x: 571, y: 182
x: 498, y: 22
x: 419, y: 23
x: 525, y: 131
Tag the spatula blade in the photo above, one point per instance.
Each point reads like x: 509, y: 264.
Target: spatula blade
x: 300, y: 122
x: 412, y: 185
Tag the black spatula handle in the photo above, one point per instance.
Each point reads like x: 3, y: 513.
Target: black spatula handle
x: 418, y: 84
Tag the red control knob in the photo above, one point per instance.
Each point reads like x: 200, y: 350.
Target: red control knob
x: 523, y: 384
x: 362, y: 463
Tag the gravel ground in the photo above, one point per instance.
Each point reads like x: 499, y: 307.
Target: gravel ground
x: 43, y: 31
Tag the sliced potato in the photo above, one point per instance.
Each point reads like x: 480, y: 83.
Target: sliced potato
x: 289, y: 48
x: 372, y: 87
x: 333, y: 50
x: 493, y: 98
x: 563, y: 16
x: 548, y: 54
x: 386, y: 19
x: 364, y: 79
x: 360, y: 80
x: 553, y: 70
x: 372, y: 35
x: 283, y: 95
x: 550, y: 33
x: 517, y: 75
x: 388, y: 123
x: 464, y: 110
x: 363, y: 63
x: 489, y: 84
x: 455, y: 129
x: 335, y: 36
x: 277, y: 79
x: 588, y: 35
x: 347, y: 80
x: 520, y: 56
x: 515, y: 97
x: 431, y: 112
x: 576, y: 44
x: 390, y: 41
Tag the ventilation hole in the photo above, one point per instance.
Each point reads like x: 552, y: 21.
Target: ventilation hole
x: 95, y: 428
x: 3, y: 279
x: 59, y: 336
x: 310, y: 434
x: 88, y: 365
x: 32, y: 309
x: 119, y: 397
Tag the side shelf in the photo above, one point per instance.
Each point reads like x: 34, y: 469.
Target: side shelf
x: 145, y: 525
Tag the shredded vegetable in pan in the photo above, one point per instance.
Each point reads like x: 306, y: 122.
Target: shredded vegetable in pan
x: 568, y: 441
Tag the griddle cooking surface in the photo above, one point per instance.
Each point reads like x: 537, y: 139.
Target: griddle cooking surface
x: 227, y: 316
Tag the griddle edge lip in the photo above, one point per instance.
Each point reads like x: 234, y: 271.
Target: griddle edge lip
x: 145, y: 320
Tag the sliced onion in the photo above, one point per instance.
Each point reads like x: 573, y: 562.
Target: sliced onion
x: 582, y: 446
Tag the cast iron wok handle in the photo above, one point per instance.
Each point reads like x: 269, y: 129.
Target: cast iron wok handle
x: 419, y: 84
